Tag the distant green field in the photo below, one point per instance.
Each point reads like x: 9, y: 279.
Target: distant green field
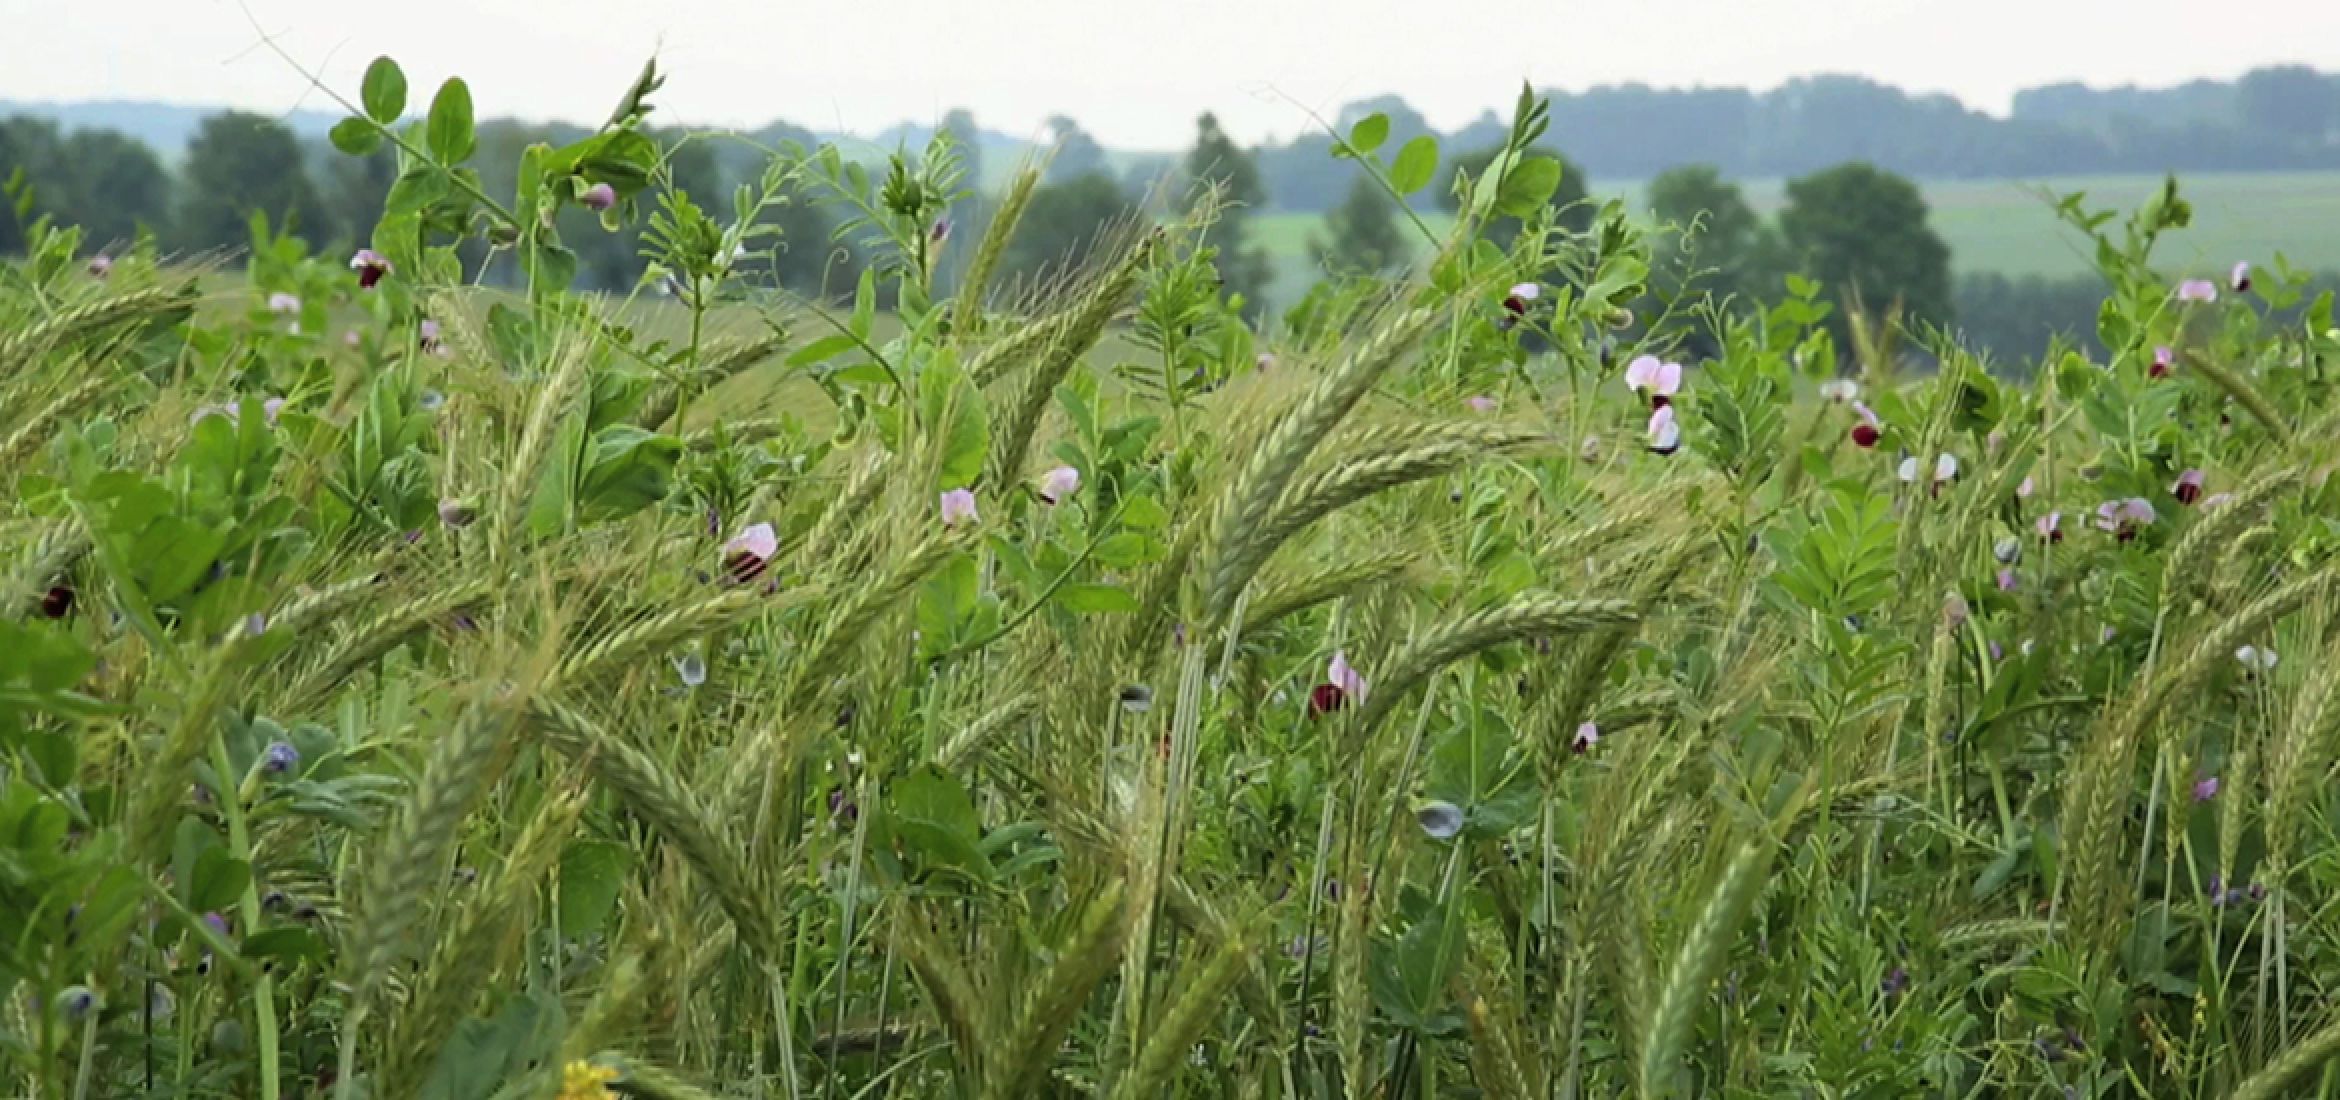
x: 2007, y: 226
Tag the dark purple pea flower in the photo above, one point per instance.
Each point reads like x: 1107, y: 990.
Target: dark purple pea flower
x: 1517, y: 301
x: 100, y: 266
x: 2188, y: 487
x: 842, y: 808
x: 58, y: 602
x: 1341, y: 684
x: 599, y: 197
x: 370, y: 267
x: 2240, y: 278
x: 279, y: 758
x: 1896, y: 981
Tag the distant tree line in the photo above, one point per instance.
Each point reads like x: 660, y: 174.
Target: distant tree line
x: 2275, y: 119
x: 1852, y: 220
x: 239, y: 164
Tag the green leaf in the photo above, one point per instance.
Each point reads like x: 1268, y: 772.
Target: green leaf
x: 1095, y: 598
x: 1527, y: 187
x: 1416, y: 165
x: 627, y: 469
x: 864, y: 303
x: 1473, y: 768
x: 1368, y: 134
x: 550, y: 266
x: 384, y: 91
x: 931, y: 813
x: 1145, y: 513
x: 415, y: 190
x: 218, y: 881
x: 946, y: 601
x: 450, y: 131
x: 951, y: 404
x: 591, y: 873
x: 1125, y: 549
x: 291, y: 943
x: 483, y: 1055
x: 1409, y: 978
x: 836, y: 343
x: 356, y: 136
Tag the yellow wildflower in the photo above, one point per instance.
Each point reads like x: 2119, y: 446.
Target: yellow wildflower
x: 585, y: 1081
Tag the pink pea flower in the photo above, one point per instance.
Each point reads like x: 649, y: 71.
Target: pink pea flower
x: 100, y: 266
x: 1587, y: 735
x: 2006, y: 580
x: 2206, y: 788
x: 1480, y: 403
x: 2123, y: 517
x: 598, y: 197
x: 2240, y: 278
x: 1665, y: 436
x: 2164, y: 361
x: 958, y: 506
x: 746, y: 555
x: 1059, y: 483
x: 2197, y: 290
x: 1662, y: 380
x: 1342, y: 684
x: 2050, y: 527
x: 281, y: 302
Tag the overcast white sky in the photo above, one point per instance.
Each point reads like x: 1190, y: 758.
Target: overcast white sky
x: 1135, y: 74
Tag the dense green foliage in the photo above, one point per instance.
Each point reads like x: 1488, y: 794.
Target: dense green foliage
x: 409, y: 690
x: 1361, y: 234
x: 1864, y: 231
